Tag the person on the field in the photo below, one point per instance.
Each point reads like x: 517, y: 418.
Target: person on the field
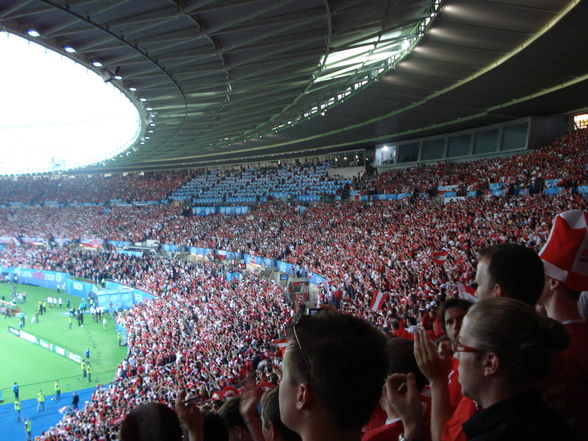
x: 75, y: 399
x: 15, y: 390
x: 28, y: 429
x: 17, y: 409
x: 40, y: 401
x: 57, y: 388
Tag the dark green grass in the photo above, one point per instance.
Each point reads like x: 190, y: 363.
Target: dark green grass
x: 36, y: 368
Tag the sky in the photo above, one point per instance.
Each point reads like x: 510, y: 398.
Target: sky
x: 56, y: 114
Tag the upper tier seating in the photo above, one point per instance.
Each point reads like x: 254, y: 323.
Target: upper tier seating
x: 257, y: 184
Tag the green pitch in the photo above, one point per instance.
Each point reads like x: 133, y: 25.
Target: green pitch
x: 34, y: 368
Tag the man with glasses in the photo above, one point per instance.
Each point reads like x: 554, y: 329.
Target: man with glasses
x: 333, y: 372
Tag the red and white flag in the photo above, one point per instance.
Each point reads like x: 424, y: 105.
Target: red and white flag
x: 439, y: 257
x: 265, y: 386
x: 91, y: 243
x: 466, y: 292
x: 229, y: 392
x: 282, y: 344
x: 378, y: 300
x: 565, y: 254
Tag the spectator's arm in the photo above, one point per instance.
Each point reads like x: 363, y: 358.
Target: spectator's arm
x: 435, y: 369
x: 191, y: 417
x: 402, y: 396
x: 248, y: 409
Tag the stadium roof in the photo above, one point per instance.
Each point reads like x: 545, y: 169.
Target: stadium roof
x: 226, y: 80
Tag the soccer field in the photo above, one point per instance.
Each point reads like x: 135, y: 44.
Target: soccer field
x: 36, y: 368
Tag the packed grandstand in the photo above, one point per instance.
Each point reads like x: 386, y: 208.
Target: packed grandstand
x: 205, y: 333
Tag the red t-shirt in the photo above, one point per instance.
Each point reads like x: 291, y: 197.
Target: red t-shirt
x: 463, y: 408
x: 453, y: 430
x: 377, y: 420
x: 453, y: 384
x: 390, y: 432
x: 566, y: 387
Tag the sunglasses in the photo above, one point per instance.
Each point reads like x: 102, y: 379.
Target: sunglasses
x: 458, y: 347
x: 306, y: 360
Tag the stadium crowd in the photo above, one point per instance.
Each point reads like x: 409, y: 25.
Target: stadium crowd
x: 202, y: 334
x: 96, y: 188
x: 563, y: 160
x: 205, y: 334
x: 387, y: 247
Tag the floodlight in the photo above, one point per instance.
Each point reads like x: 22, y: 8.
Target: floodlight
x: 33, y: 33
x: 69, y: 49
x: 96, y: 63
x: 133, y: 89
